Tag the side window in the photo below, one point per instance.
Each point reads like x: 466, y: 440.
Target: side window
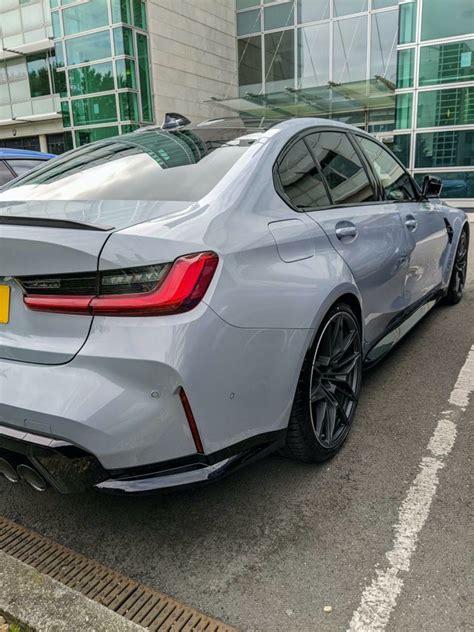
x: 5, y: 174
x: 340, y: 165
x: 300, y: 178
x: 395, y: 181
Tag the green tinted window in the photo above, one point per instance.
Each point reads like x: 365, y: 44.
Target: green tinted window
x: 123, y: 41
x: 447, y: 63
x: 59, y: 54
x: 38, y: 75
x: 127, y: 129
x: 139, y: 14
x: 250, y: 64
x: 56, y: 23
x: 401, y: 148
x: 246, y: 4
x: 405, y: 68
x: 407, y: 23
x: 446, y: 107
x: 125, y: 69
x: 445, y: 18
x: 279, y: 16
x: 445, y: 149
x: 88, y: 48
x: 59, y: 80
x: 459, y: 184
x: 249, y: 22
x: 86, y: 16
x: 65, y: 113
x: 144, y: 77
x: 94, y: 110
x: 403, y: 110
x: 383, y: 45
x: 128, y: 106
x: 85, y: 136
x: 94, y: 78
x: 312, y: 10
x: 121, y: 11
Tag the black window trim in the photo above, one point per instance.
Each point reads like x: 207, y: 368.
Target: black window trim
x: 301, y: 135
x: 383, y: 198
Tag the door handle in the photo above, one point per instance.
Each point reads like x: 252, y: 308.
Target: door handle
x: 411, y: 223
x: 346, y: 231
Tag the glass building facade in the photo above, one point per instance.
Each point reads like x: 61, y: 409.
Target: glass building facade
x: 102, y: 60
x: 435, y: 92
x: 403, y: 70
x: 337, y: 56
x: 28, y: 78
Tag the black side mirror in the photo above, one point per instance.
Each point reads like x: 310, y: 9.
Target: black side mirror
x: 431, y: 187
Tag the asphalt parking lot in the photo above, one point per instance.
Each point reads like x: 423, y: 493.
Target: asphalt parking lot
x: 270, y: 547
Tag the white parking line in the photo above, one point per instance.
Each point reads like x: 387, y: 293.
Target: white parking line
x: 380, y: 596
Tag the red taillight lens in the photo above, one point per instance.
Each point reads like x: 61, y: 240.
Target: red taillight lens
x: 179, y: 290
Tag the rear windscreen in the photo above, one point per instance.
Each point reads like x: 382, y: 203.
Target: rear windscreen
x: 148, y: 164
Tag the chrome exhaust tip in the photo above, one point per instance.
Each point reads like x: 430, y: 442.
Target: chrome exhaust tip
x: 32, y: 477
x: 8, y: 471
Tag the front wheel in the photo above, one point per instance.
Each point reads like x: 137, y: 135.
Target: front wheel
x: 458, y: 275
x: 328, y: 389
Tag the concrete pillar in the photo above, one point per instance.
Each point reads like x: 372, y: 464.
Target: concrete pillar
x: 43, y: 142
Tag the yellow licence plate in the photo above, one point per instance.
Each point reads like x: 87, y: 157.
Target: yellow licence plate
x: 4, y: 304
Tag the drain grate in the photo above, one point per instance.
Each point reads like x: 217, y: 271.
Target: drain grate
x: 134, y: 601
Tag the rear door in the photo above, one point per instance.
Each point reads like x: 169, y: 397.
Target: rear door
x: 367, y: 234
x: 423, y: 222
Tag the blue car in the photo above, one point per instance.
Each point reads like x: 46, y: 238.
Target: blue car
x: 16, y: 162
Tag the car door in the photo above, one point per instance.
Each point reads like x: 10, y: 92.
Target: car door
x: 368, y: 235
x: 423, y: 221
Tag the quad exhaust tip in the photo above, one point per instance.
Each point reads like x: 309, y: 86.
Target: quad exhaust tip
x: 8, y: 471
x: 22, y: 472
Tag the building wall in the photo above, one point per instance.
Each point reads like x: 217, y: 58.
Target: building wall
x: 193, y: 55
x: 435, y: 93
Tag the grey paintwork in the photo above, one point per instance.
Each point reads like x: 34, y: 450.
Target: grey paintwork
x: 239, y: 353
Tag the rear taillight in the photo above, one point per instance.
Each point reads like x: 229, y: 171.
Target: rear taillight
x: 169, y: 288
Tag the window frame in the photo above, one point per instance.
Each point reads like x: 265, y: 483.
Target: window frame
x: 374, y: 182
x: 383, y: 197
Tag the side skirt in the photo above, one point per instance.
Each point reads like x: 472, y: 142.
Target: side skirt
x: 390, y: 339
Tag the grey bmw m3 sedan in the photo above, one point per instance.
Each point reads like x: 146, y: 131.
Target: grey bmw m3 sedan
x: 176, y: 302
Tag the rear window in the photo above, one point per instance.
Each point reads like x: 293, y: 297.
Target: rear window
x: 150, y: 164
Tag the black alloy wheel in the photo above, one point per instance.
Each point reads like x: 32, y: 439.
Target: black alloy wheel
x: 459, y: 273
x: 328, y: 390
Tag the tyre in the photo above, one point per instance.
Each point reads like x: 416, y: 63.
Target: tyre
x: 328, y: 389
x: 458, y: 275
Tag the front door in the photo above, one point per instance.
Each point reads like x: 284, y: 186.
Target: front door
x: 367, y: 233
x: 423, y: 222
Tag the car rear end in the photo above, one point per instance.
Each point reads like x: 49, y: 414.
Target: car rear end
x: 103, y: 325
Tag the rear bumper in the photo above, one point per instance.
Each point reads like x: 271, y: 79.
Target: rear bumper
x: 69, y: 469
x: 118, y: 399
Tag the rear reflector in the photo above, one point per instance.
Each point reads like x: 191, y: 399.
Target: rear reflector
x: 180, y: 287
x: 191, y: 421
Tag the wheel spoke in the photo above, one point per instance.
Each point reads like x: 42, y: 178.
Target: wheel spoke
x: 345, y: 366
x: 343, y: 387
x: 334, y: 380
x: 317, y: 393
x: 330, y: 422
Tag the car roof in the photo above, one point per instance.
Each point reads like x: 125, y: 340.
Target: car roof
x: 6, y: 153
